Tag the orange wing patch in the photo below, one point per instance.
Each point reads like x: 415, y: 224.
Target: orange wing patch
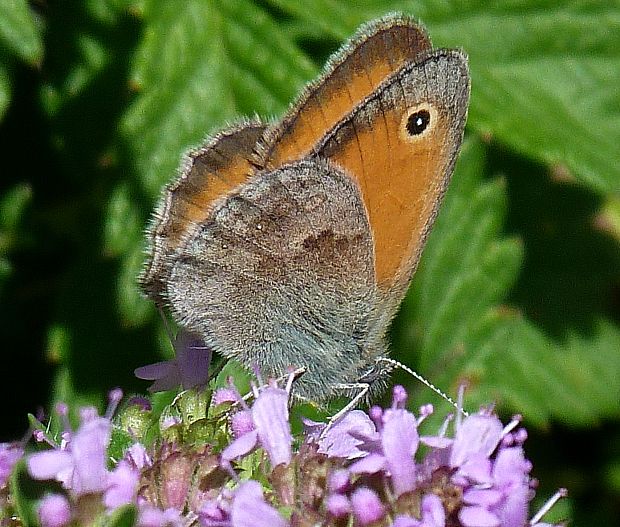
x: 350, y: 77
x: 400, y: 147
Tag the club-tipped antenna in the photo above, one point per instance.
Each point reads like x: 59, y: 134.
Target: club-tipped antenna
x: 425, y: 382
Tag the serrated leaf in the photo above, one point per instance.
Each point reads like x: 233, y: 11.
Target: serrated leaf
x: 19, y: 32
x: 544, y: 74
x: 123, y: 236
x: 84, y: 90
x: 477, y: 275
x: 598, y: 384
x: 555, y: 120
x: 575, y: 381
x: 199, y: 66
x: 332, y: 17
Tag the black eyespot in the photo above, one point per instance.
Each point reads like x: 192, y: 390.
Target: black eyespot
x: 418, y: 121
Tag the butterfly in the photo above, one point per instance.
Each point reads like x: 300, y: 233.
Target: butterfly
x: 291, y: 244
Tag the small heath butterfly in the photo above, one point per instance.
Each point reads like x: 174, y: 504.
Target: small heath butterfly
x: 292, y: 244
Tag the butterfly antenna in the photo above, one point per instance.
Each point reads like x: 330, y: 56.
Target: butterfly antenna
x: 426, y: 383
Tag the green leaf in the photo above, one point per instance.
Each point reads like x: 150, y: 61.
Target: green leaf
x: 123, y: 236
x: 84, y: 90
x: 5, y: 87
x: 12, y: 207
x: 123, y: 221
x: 563, y: 104
x: 545, y: 75
x: 25, y: 494
x: 134, y: 308
x: 575, y: 381
x: 125, y: 516
x: 332, y: 17
x: 19, y: 31
x: 203, y: 63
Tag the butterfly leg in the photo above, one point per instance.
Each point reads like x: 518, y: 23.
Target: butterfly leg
x: 362, y: 390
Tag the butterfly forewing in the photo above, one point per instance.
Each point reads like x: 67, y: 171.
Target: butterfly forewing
x: 378, y: 50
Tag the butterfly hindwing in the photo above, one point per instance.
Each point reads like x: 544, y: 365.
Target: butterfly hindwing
x: 268, y: 279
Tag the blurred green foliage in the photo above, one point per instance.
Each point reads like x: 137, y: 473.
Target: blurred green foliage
x: 518, y: 289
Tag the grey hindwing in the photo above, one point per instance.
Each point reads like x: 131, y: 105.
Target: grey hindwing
x: 282, y: 275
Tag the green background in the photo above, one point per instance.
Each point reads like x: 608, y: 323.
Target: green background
x: 518, y: 291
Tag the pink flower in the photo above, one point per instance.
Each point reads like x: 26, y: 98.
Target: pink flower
x: 54, y: 511
x: 366, y: 505
x: 249, y: 508
x: 10, y: 453
x: 271, y: 429
x: 342, y: 439
x: 81, y: 466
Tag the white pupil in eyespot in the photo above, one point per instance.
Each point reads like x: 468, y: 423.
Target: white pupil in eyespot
x: 418, y: 121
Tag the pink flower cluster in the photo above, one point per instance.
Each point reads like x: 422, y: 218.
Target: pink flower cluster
x: 365, y: 469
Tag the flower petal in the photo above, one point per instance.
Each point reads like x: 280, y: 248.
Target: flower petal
x: 193, y: 358
x: 241, y: 423
x: 400, y: 440
x: 10, y: 453
x: 153, y: 517
x: 483, y: 497
x: 511, y: 476
x: 138, y: 456
x: 406, y: 521
x: 478, y: 517
x: 270, y: 415
x: 370, y: 464
x: 367, y: 506
x: 47, y: 465
x: 477, y: 469
x: 436, y: 441
x: 54, y: 511
x: 241, y: 446
x: 249, y: 508
x: 121, y: 486
x: 433, y: 513
x: 478, y: 435
x: 339, y: 441
x: 89, y: 450
x: 338, y: 505
x: 154, y: 371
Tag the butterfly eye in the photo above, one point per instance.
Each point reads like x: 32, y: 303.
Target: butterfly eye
x: 417, y: 122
